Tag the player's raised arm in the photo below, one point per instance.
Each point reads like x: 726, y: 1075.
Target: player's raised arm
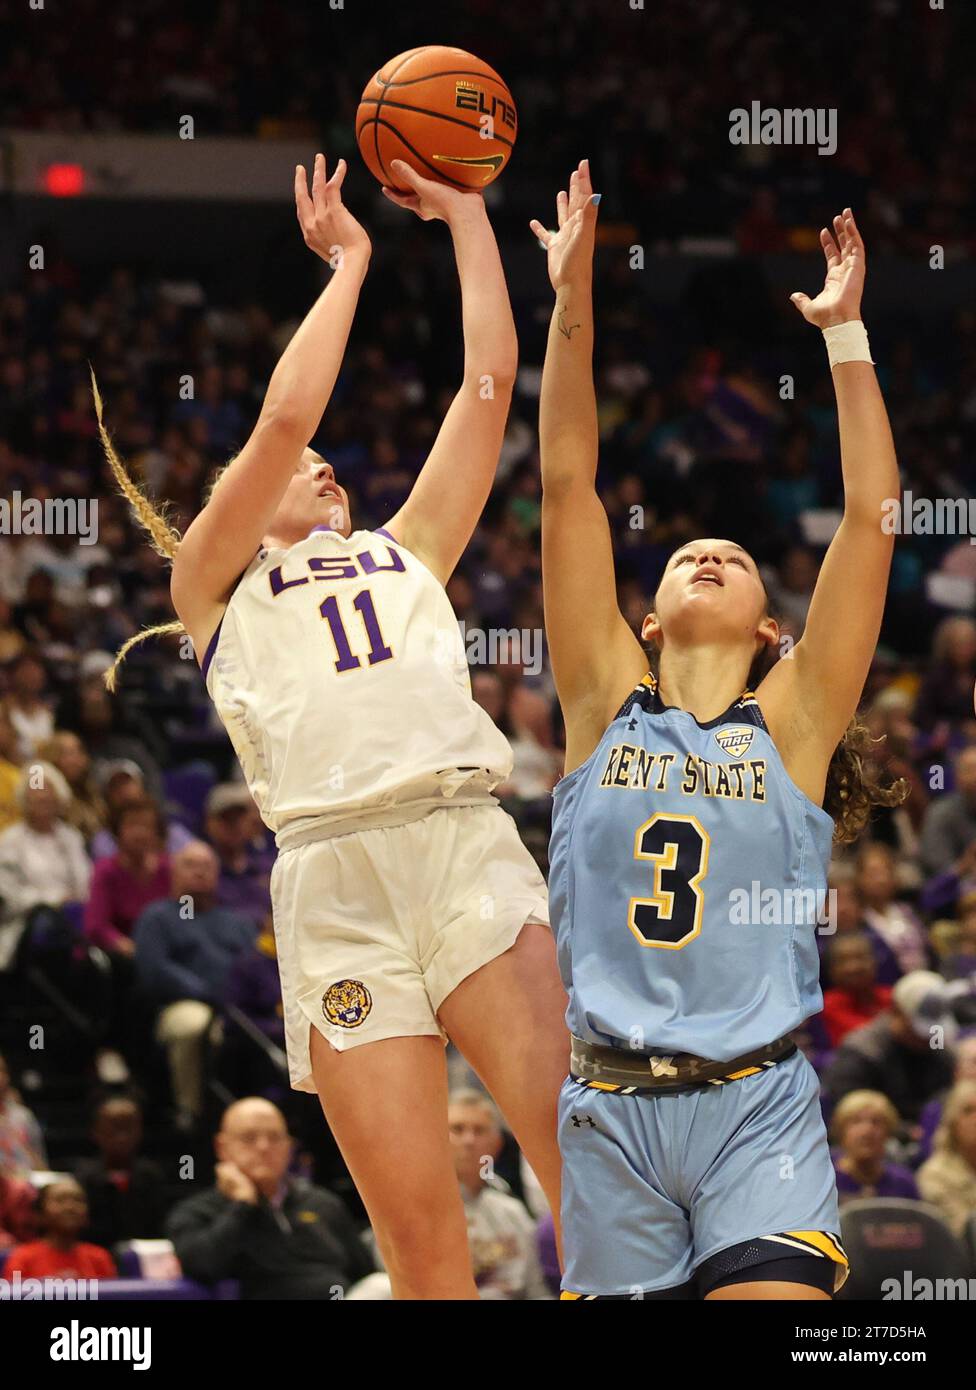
x: 438, y: 518
x: 223, y: 538
x: 820, y: 686
x: 596, y: 658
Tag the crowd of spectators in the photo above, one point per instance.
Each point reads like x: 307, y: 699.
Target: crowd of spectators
x: 644, y: 90
x: 116, y: 808
x: 261, y: 1225
x: 114, y: 811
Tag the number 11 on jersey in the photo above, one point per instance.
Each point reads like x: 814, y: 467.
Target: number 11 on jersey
x: 363, y: 604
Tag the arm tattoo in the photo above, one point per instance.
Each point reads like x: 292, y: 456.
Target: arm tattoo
x: 565, y: 330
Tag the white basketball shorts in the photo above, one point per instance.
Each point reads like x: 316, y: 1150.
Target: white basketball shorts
x: 375, y: 928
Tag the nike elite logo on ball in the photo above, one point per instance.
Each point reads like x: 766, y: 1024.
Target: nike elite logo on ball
x: 491, y: 163
x: 442, y: 111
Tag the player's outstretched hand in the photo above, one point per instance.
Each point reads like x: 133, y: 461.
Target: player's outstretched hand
x: 329, y: 228
x: 431, y: 200
x: 569, y: 249
x: 840, y: 299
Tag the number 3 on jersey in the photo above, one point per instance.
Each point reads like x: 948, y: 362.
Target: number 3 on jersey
x: 677, y: 847
x: 363, y: 604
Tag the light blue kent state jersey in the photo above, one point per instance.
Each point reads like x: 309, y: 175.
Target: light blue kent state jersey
x: 687, y: 876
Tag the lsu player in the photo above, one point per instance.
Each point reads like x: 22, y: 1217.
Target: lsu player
x: 695, y: 1157
x: 406, y: 908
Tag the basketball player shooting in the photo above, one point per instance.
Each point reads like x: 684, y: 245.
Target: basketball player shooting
x: 406, y: 908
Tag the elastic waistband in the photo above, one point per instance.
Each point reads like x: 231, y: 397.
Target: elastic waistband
x: 308, y: 829
x: 622, y: 1072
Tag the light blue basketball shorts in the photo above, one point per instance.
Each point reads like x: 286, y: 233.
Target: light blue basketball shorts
x: 655, y: 1186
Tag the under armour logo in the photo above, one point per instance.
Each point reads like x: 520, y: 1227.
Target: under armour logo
x: 580, y: 1120
x: 661, y: 1066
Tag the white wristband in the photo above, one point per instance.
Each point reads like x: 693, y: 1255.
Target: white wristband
x: 847, y: 342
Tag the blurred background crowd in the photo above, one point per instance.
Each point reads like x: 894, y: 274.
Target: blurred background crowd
x: 634, y: 87
x: 115, y: 809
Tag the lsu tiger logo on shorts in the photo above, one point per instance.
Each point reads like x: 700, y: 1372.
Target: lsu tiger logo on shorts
x: 347, y: 1003
x: 734, y: 741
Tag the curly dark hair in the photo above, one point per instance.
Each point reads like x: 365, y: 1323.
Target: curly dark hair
x: 853, y: 787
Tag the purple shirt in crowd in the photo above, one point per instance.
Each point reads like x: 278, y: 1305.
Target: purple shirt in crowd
x: 929, y: 1121
x: 249, y: 889
x: 253, y: 987
x: 895, y: 1181
x: 545, y: 1234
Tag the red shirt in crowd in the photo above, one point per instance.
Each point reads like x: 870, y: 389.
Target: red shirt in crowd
x: 16, y: 1211
x: 843, y: 1011
x: 117, y: 897
x: 41, y: 1260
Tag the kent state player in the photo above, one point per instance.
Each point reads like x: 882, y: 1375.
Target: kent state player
x: 695, y: 1157
x: 405, y: 906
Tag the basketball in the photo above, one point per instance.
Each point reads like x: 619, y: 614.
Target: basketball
x: 442, y: 111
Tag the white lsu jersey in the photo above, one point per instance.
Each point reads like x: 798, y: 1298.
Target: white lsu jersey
x: 340, y: 675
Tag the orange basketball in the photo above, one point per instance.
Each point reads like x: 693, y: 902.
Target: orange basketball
x: 442, y: 111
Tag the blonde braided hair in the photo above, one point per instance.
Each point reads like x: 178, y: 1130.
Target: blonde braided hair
x: 163, y: 536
